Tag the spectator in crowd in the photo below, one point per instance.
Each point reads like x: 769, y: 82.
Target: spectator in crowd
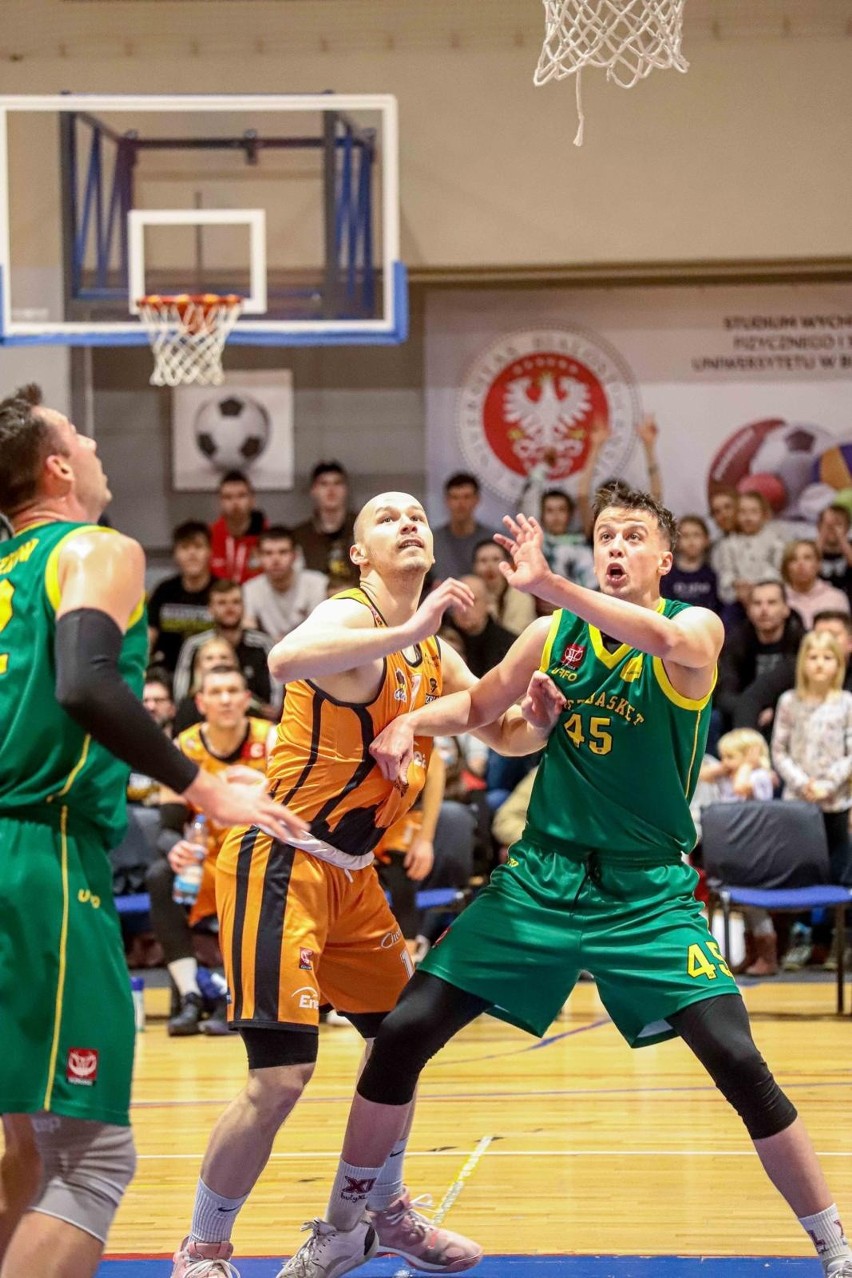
x: 236, y: 533
x: 691, y: 579
x: 157, y: 700
x: 807, y: 593
x: 212, y: 651
x: 769, y: 633
x: 230, y: 743
x: 723, y: 511
x: 251, y: 646
x: 325, y: 538
x: 455, y: 540
x: 647, y: 432
x: 566, y: 551
x: 511, y: 816
x: 284, y: 593
x: 835, y: 550
x: 812, y: 753
x: 756, y: 707
x: 484, y: 641
x: 511, y: 608
x: 179, y: 606
x: 751, y: 554
x: 743, y: 771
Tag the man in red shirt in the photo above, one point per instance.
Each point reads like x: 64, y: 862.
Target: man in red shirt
x: 236, y: 533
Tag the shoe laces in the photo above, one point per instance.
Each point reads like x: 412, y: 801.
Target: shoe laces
x: 211, y: 1269
x: 311, y: 1249
x: 412, y: 1214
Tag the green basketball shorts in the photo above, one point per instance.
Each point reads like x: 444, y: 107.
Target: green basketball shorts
x: 66, y: 1014
x: 545, y: 917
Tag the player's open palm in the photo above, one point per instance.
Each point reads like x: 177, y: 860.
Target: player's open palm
x: 428, y: 617
x: 239, y: 804
x: 529, y: 567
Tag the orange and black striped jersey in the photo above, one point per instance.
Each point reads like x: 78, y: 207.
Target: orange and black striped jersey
x: 250, y: 753
x: 321, y: 764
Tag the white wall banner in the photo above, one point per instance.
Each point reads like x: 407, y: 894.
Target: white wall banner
x: 751, y: 387
x: 245, y: 424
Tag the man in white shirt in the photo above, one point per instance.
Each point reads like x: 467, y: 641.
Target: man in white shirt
x: 284, y: 594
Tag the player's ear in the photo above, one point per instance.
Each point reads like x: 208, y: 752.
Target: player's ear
x: 666, y: 561
x: 357, y: 554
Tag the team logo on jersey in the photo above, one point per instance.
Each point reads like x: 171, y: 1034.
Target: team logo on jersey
x: 572, y: 656
x: 306, y: 958
x: 532, y: 397
x: 81, y: 1066
x: 401, y: 693
x: 256, y: 750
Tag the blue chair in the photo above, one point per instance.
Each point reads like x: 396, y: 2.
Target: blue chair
x: 773, y: 856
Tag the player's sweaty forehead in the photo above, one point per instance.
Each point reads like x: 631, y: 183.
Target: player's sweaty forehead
x: 386, y: 503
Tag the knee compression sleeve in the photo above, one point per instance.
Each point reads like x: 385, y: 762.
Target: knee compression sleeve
x: 428, y: 1014
x: 87, y: 1167
x: 717, y: 1030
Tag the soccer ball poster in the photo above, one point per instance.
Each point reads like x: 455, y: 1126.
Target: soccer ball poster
x: 750, y: 387
x: 245, y: 424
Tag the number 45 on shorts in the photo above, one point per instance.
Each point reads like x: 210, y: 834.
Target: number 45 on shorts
x: 698, y: 964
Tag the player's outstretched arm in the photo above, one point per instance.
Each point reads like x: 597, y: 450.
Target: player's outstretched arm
x: 339, y: 635
x: 101, y: 585
x: 693, y: 638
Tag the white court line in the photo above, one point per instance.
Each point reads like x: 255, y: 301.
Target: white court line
x: 523, y: 1153
x: 458, y: 1184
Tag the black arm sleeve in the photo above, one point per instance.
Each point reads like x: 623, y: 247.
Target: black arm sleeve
x: 90, y: 689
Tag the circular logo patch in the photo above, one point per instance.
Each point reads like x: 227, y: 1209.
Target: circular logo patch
x: 533, y: 397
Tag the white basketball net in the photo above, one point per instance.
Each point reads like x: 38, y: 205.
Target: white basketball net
x: 627, y: 38
x: 187, y: 336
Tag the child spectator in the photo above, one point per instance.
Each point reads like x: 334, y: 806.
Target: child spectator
x: 812, y: 751
x: 807, y: 593
x: 691, y: 579
x: 744, y: 772
x: 750, y: 555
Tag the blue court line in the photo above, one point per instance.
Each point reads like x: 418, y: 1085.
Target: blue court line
x: 531, y: 1267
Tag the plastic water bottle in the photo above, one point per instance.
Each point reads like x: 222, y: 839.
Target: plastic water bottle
x: 188, y: 880
x: 137, y: 989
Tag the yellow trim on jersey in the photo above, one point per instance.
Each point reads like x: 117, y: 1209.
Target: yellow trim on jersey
x: 72, y: 775
x: 694, y: 752
x: 603, y: 654
x: 51, y: 571
x: 547, y: 650
x: 63, y: 945
x: 685, y: 703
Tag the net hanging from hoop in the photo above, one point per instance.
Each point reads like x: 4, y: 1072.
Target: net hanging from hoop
x: 626, y: 38
x: 188, y: 334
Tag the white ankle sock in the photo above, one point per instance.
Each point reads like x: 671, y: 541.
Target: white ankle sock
x: 184, y: 973
x: 388, y: 1186
x: 828, y: 1238
x: 214, y: 1216
x: 349, y: 1193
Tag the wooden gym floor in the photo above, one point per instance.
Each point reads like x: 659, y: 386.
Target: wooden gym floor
x: 573, y: 1153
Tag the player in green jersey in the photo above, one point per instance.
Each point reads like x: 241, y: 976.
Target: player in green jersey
x: 598, y: 879
x: 73, y: 650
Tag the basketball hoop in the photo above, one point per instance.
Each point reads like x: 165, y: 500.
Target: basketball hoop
x: 188, y: 334
x: 626, y: 38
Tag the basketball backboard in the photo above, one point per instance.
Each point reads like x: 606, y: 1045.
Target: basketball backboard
x: 291, y: 202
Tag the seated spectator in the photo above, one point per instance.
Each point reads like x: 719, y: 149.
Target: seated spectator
x: 226, y: 741
x: 566, y: 550
x: 834, y: 547
x: 214, y: 651
x: 430, y: 847
x: 284, y: 593
x: 723, y: 511
x: 326, y: 537
x: 157, y: 700
x: 179, y: 606
x: 743, y: 771
x: 806, y: 591
x: 236, y: 533
x: 484, y: 641
x: 756, y: 706
x: 511, y: 608
x: 466, y: 760
x: 251, y: 646
x: 691, y: 579
x: 454, y: 542
x: 754, y: 647
x: 751, y: 554
x: 812, y: 753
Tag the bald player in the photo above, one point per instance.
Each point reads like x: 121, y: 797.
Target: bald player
x: 306, y: 922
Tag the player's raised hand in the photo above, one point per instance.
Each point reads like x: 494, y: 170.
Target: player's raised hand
x: 393, y: 748
x: 528, y: 568
x: 543, y: 703
x: 427, y: 619
x: 239, y: 804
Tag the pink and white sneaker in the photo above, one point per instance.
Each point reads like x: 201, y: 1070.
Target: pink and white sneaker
x: 406, y: 1232
x: 204, y: 1260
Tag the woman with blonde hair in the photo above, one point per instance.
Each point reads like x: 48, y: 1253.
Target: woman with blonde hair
x: 805, y: 590
x: 812, y: 750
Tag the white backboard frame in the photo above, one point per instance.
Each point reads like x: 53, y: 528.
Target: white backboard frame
x: 254, y: 219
